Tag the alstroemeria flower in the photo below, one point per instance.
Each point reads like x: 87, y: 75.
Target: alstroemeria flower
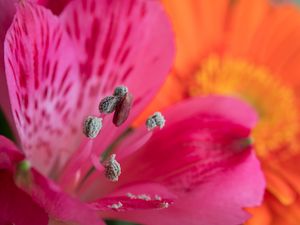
x: 198, y: 169
x: 247, y: 49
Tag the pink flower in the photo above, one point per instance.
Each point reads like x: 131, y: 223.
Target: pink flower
x: 198, y: 169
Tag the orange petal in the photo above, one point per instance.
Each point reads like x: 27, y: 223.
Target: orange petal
x: 246, y: 18
x: 197, y: 25
x: 280, y: 188
x: 261, y: 216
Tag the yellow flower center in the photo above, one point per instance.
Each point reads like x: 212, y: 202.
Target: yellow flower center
x: 275, y: 103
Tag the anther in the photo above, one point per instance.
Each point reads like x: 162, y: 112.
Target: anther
x: 120, y: 91
x: 112, y: 168
x: 155, y: 120
x: 108, y: 104
x: 116, y: 205
x: 144, y: 197
x: 92, y: 126
x: 164, y: 205
x: 157, y: 197
x: 131, y: 196
x: 122, y: 109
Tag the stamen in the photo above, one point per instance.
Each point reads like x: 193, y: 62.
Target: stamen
x: 123, y: 109
x: 116, y: 206
x: 112, y: 168
x: 164, y: 205
x: 108, y: 104
x: 23, y: 174
x: 144, y: 197
x: 155, y: 120
x: 131, y: 196
x: 120, y: 91
x: 157, y: 197
x: 92, y: 126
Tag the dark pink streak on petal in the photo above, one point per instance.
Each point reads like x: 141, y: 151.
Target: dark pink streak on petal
x: 43, y: 84
x: 117, y: 45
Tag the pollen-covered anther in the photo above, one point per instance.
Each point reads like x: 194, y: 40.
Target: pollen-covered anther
x: 116, y: 206
x: 112, y: 168
x: 164, y: 205
x: 144, y: 197
x: 157, y: 119
x: 157, y: 197
x: 120, y: 91
x: 92, y: 126
x: 108, y: 104
x: 131, y: 196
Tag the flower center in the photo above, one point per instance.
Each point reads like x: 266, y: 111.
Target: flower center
x: 275, y: 103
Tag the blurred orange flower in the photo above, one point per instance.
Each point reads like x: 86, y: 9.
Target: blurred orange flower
x: 248, y: 49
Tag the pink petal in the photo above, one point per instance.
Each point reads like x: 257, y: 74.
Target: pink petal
x: 205, y: 158
x: 119, y: 43
x: 6, y: 16
x: 139, y: 34
x: 230, y: 108
x: 128, y: 204
x: 9, y: 155
x: 58, y: 204
x: 42, y: 78
x: 42, y: 195
x: 16, y: 207
x: 216, y: 202
x: 137, y: 196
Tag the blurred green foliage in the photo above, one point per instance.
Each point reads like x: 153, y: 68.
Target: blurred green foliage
x: 4, y: 127
x: 115, y: 222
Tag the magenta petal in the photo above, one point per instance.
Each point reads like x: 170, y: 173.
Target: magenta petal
x: 43, y: 85
x: 16, y: 207
x: 137, y: 196
x: 38, y: 193
x: 119, y: 43
x: 205, y: 157
x: 59, y: 205
x: 218, y: 201
x: 125, y: 203
x: 6, y: 16
x: 229, y: 108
